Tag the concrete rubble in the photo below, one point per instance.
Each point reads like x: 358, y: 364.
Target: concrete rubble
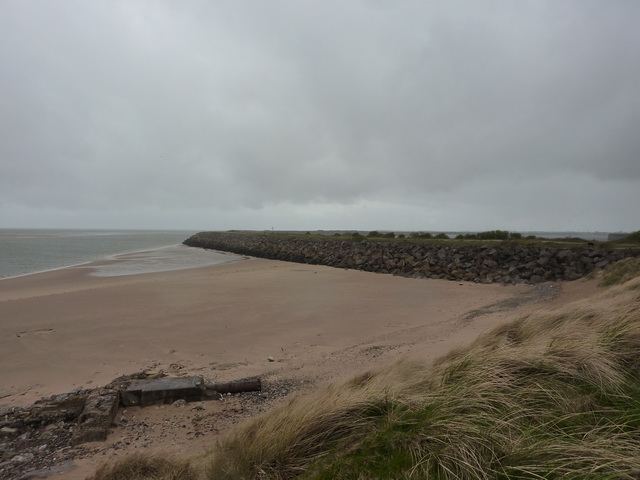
x: 41, y: 440
x: 191, y: 389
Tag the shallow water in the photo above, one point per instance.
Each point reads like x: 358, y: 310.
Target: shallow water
x: 23, y: 252
x: 178, y: 257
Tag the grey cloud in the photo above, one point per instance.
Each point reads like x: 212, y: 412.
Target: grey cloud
x: 254, y: 107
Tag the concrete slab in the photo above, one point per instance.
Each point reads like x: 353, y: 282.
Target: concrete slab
x: 163, y: 390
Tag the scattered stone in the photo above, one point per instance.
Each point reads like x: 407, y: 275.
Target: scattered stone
x: 44, y: 439
x: 23, y: 458
x: 271, y: 359
x: 179, y: 403
x: 47, y: 472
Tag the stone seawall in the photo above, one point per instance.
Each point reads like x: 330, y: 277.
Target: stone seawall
x: 485, y: 263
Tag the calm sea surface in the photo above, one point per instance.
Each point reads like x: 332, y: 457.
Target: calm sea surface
x: 29, y: 251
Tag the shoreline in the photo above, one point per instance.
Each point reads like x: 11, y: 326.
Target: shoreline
x: 66, y: 329
x: 124, y: 257
x: 31, y: 252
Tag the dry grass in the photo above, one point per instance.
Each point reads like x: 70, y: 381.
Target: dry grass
x: 553, y: 394
x: 620, y: 272
x: 284, y: 442
x: 147, y: 467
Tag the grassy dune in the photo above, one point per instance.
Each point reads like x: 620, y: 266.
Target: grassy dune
x: 555, y: 394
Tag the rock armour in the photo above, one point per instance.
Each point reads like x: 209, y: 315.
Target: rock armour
x: 502, y: 262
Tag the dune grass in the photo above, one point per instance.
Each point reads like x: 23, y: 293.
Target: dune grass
x: 140, y: 466
x: 554, y: 394
x: 620, y: 272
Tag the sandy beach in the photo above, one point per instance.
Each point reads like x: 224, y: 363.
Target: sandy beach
x: 297, y: 326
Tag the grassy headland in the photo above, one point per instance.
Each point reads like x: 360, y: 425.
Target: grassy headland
x: 554, y: 394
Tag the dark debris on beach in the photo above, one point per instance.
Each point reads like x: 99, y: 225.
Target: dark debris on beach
x: 42, y: 440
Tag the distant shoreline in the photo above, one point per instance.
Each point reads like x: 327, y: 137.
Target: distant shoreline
x: 27, y: 252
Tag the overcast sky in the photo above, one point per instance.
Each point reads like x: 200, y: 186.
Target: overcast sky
x: 387, y: 115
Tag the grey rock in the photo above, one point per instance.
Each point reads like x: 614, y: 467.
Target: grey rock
x: 47, y: 472
x: 23, y: 458
x: 486, y: 263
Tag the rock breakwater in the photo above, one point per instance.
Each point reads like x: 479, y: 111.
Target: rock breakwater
x: 482, y: 262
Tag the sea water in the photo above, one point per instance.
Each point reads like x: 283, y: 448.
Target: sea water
x: 23, y: 252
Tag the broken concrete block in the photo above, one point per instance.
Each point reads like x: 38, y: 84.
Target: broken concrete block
x: 65, y: 407
x: 99, y: 413
x: 191, y: 389
x: 162, y: 390
x: 251, y: 385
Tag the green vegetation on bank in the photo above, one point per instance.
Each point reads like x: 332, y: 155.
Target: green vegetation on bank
x: 492, y: 235
x: 554, y: 394
x: 463, y: 238
x: 632, y: 238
